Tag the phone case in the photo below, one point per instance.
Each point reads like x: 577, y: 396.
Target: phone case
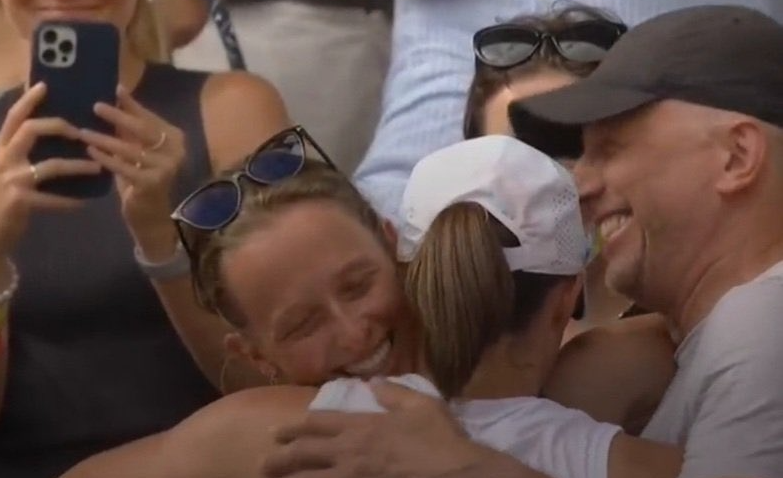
x: 79, y: 64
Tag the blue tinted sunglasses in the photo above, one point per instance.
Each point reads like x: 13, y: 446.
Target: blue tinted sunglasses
x: 215, y: 205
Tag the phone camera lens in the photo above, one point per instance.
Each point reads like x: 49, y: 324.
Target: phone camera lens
x: 49, y: 55
x: 50, y: 36
x: 66, y: 46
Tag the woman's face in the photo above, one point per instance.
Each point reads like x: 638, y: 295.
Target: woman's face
x: 25, y: 15
x: 321, y: 297
x: 496, y: 119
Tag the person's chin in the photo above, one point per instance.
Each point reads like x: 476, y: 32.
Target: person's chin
x: 85, y: 14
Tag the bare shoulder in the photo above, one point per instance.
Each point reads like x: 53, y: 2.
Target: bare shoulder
x: 240, y: 111
x: 616, y: 373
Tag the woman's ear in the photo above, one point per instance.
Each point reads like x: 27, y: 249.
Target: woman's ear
x: 390, y: 234
x: 237, y: 346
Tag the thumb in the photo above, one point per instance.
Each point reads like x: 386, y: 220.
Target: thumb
x: 394, y: 397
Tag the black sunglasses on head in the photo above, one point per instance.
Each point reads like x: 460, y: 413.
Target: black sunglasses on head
x: 215, y: 205
x: 508, y: 45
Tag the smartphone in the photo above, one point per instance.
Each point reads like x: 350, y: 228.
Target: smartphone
x: 79, y: 62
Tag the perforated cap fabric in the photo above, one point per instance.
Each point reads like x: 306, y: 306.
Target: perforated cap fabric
x: 525, y: 190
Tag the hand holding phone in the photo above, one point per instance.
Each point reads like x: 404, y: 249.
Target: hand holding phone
x: 79, y: 63
x: 18, y: 177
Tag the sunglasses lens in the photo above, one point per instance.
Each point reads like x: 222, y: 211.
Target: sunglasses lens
x: 587, y: 42
x: 504, y: 47
x: 278, y: 160
x: 212, y: 207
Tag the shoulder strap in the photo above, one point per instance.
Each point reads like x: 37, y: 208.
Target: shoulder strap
x: 225, y: 28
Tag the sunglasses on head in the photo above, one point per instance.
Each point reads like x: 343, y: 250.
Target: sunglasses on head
x: 508, y: 45
x: 215, y: 205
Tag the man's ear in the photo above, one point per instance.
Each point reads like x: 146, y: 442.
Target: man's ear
x: 569, y: 292
x: 237, y: 346
x: 746, y: 146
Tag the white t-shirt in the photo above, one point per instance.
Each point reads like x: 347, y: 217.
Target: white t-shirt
x: 725, y: 404
x: 557, y: 441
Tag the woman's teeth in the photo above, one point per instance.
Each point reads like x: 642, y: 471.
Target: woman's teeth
x: 373, y: 363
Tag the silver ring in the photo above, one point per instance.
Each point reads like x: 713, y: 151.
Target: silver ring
x: 34, y: 172
x: 161, y: 141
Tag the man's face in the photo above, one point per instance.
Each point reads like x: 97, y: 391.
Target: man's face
x: 645, y: 185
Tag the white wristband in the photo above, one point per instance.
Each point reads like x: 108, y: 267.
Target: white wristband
x: 178, y: 265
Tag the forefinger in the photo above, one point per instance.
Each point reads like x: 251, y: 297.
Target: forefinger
x: 128, y: 103
x: 21, y: 111
x: 320, y: 424
x: 299, y: 457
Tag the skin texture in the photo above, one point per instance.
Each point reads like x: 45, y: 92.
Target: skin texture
x: 329, y: 304
x: 183, y: 19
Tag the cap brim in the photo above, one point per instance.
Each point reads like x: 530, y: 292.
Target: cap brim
x: 584, y: 102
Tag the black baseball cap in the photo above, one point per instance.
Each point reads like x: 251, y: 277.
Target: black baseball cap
x: 725, y: 57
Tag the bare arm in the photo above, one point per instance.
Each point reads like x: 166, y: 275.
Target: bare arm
x: 225, y: 439
x: 598, y: 372
x: 629, y: 457
x: 240, y: 112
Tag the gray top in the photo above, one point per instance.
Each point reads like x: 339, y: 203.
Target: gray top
x: 725, y: 404
x: 94, y: 361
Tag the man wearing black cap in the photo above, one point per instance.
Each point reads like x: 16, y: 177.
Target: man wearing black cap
x: 683, y: 177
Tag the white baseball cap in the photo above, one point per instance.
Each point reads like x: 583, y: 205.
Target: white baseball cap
x: 524, y: 189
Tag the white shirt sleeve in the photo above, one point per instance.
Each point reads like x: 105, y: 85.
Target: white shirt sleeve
x: 557, y: 441
x: 738, y: 425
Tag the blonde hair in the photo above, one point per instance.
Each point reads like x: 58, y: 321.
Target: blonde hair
x: 462, y: 288
x: 465, y: 293
x: 316, y: 182
x: 147, y: 35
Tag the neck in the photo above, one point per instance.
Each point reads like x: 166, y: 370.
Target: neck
x: 516, y: 366
x: 131, y: 67
x: 602, y: 305
x: 739, y: 261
